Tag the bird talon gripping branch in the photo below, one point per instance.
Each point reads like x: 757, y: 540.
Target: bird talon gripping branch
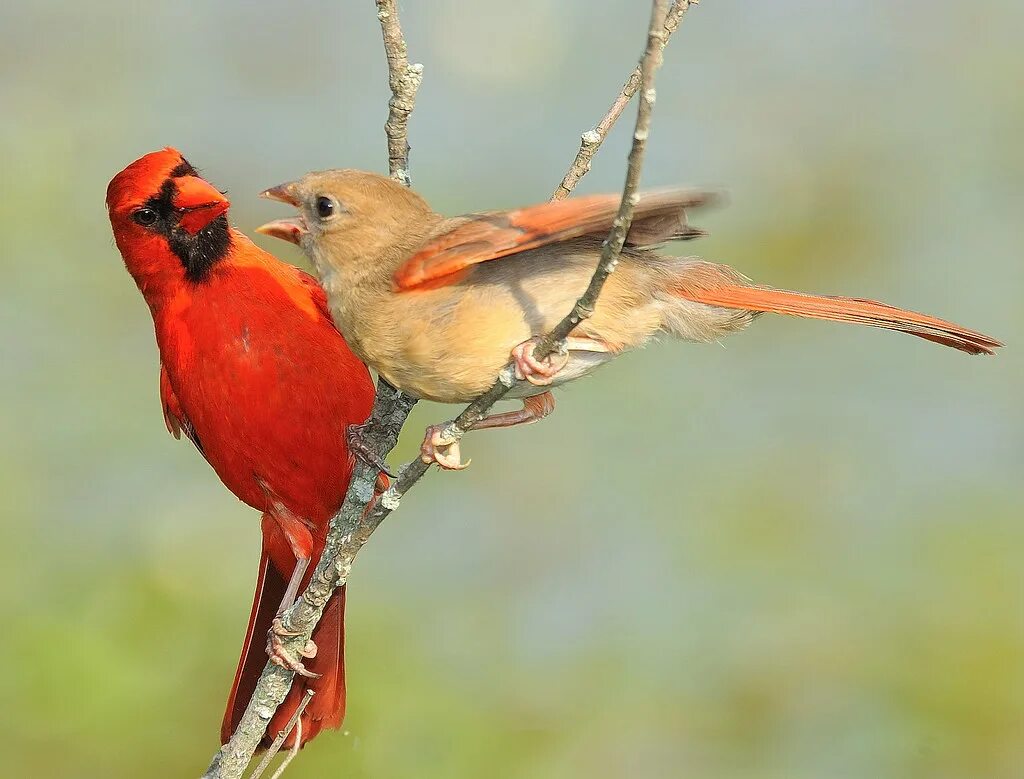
x: 281, y: 656
x: 440, y: 448
x: 356, y: 437
x: 540, y: 373
x: 277, y: 627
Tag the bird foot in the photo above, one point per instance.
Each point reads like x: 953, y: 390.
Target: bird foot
x: 440, y: 449
x: 356, y: 436
x: 538, y: 372
x: 284, y: 657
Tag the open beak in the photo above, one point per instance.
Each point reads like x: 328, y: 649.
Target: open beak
x: 198, y: 202
x: 282, y: 192
x: 290, y: 229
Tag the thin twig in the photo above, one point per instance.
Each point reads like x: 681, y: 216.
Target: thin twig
x: 405, y: 80
x: 453, y: 431
x: 360, y: 513
x: 291, y: 752
x: 275, y: 747
x: 591, y: 140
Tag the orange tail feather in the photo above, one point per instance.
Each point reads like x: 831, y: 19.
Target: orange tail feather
x: 837, y: 309
x: 327, y: 708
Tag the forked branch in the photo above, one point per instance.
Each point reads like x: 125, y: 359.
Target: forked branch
x: 365, y: 506
x: 649, y: 64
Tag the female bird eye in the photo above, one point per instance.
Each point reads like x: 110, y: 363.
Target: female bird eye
x: 145, y: 217
x: 324, y: 207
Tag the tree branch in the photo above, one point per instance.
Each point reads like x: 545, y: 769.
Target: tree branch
x: 405, y: 80
x: 591, y: 140
x: 348, y: 531
x: 294, y: 722
x: 360, y: 513
x: 453, y: 431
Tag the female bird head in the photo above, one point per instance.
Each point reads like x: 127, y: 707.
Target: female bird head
x: 351, y: 222
x: 169, y: 223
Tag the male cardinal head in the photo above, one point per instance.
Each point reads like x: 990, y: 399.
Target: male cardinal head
x: 159, y: 203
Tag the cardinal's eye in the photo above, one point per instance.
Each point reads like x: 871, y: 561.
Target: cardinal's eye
x: 325, y: 207
x: 145, y: 217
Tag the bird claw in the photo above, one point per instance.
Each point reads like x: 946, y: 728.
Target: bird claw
x: 277, y: 628
x: 437, y: 448
x: 358, y: 446
x: 540, y: 373
x: 282, y: 656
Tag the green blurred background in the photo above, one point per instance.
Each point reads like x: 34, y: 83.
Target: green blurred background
x: 795, y: 556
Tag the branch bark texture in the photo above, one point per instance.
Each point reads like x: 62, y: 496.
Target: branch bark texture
x: 365, y: 506
x: 352, y: 525
x: 405, y: 80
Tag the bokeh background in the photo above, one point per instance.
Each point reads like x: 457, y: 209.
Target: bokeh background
x: 795, y: 555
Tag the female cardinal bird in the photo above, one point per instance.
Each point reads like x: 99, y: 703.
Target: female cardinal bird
x: 437, y: 305
x: 255, y: 374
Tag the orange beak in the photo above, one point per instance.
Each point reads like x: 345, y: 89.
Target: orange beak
x: 198, y: 202
x: 290, y: 229
x: 284, y: 193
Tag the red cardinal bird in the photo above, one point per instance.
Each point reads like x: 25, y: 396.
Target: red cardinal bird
x: 254, y: 372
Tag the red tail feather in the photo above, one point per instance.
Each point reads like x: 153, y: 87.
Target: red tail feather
x: 327, y: 708
x: 837, y: 309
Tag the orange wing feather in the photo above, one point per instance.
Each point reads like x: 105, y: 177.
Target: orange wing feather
x: 659, y: 216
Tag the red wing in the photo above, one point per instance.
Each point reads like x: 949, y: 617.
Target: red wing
x: 317, y: 294
x: 175, y: 419
x: 659, y: 216
x: 173, y: 414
